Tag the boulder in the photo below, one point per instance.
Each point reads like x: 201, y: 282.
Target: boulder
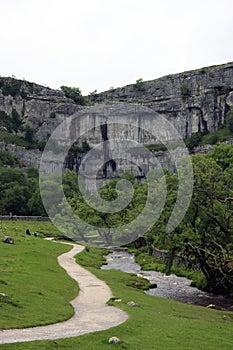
x: 132, y: 303
x: 8, y: 239
x: 114, y: 340
x: 4, y: 296
x: 213, y: 306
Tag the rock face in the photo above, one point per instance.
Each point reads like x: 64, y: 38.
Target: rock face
x: 37, y: 106
x: 192, y: 101
x: 116, y: 132
x: 28, y: 158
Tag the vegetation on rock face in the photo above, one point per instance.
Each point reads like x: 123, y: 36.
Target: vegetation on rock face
x: 194, y: 140
x: 12, y: 87
x: 229, y: 119
x: 74, y: 93
x: 75, y: 148
x: 16, y: 87
x: 8, y: 160
x: 185, y: 92
x: 139, y: 85
x: 224, y: 133
x: 11, y: 125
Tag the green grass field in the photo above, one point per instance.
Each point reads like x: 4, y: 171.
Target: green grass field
x: 156, y: 324
x: 38, y: 287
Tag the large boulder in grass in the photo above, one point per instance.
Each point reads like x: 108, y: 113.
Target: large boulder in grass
x: 8, y: 239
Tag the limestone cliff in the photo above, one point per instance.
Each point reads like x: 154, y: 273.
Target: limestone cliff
x: 193, y: 101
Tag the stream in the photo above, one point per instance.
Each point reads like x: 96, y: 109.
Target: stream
x: 172, y: 287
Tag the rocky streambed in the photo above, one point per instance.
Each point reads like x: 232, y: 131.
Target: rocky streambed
x: 173, y: 287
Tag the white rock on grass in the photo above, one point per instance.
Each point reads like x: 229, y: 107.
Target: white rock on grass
x: 132, y: 303
x: 114, y: 340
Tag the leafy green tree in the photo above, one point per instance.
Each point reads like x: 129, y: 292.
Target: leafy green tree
x: 70, y: 184
x: 223, y: 155
x: 35, y: 205
x: 10, y: 175
x: 14, y: 199
x: 208, y: 225
x: 33, y: 173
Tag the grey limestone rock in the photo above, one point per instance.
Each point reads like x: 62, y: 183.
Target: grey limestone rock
x: 194, y: 101
x: 114, y: 340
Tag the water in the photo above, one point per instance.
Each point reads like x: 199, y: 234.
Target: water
x: 173, y: 287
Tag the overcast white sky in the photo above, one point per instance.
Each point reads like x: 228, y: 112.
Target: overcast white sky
x: 98, y: 44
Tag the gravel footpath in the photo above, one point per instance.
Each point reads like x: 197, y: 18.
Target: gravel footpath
x: 91, y: 312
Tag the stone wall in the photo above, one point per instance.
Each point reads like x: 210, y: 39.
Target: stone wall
x: 23, y: 218
x: 178, y: 259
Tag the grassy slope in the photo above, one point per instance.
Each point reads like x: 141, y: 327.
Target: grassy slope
x: 39, y: 289
x: 157, y: 324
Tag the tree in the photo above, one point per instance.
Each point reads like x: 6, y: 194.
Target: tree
x: 35, y: 205
x: 208, y: 226
x: 223, y: 155
x: 14, y: 200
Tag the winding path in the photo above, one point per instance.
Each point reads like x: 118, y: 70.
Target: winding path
x: 91, y: 312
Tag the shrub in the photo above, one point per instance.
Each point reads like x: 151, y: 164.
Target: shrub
x: 16, y: 121
x: 6, y: 121
x: 194, y: 140
x: 7, y: 159
x: 11, y: 88
x: 74, y: 93
x: 185, y: 92
x: 52, y: 115
x: 139, y: 85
